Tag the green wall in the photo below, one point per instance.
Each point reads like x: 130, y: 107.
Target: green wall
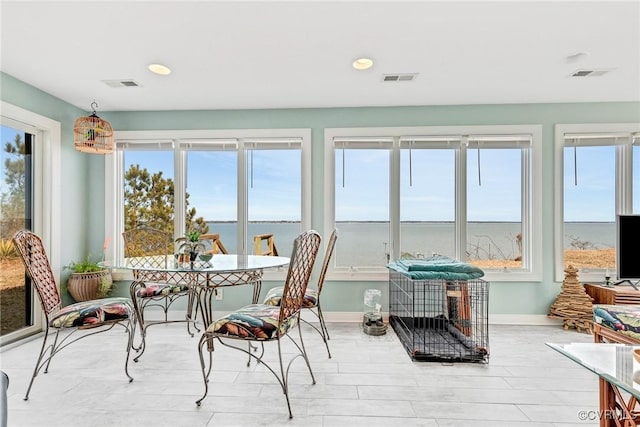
x: 76, y: 209
x: 83, y: 175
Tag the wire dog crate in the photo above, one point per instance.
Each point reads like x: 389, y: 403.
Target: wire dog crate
x: 440, y: 320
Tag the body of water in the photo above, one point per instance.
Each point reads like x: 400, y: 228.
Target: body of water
x: 366, y: 243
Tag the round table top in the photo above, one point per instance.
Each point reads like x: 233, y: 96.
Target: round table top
x: 218, y: 263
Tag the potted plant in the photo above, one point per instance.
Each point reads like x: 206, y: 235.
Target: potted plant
x: 190, y: 244
x: 88, y: 280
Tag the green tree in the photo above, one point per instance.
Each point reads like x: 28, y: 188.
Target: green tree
x: 149, y: 200
x: 12, y: 201
x: 194, y: 223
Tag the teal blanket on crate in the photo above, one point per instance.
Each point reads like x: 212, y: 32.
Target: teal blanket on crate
x: 436, y: 267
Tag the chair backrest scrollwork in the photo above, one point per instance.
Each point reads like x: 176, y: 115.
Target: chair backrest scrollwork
x: 38, y: 268
x: 147, y: 247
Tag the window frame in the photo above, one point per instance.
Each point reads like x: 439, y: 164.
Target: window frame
x: 531, y: 183
x: 46, y: 194
x: 623, y: 177
x: 181, y: 142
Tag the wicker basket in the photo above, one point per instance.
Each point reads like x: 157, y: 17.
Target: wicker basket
x: 89, y: 286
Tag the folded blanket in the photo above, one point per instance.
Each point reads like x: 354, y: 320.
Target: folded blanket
x: 436, y: 267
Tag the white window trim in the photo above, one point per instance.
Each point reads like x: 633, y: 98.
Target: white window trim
x: 47, y: 211
x: 533, y: 171
x: 623, y: 193
x: 114, y: 181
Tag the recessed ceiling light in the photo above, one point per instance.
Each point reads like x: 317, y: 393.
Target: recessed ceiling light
x: 362, y: 63
x: 163, y: 70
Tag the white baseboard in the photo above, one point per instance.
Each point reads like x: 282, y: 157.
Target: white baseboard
x: 523, y: 319
x: 494, y: 319
x: 345, y: 316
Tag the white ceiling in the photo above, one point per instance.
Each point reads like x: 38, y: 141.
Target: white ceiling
x: 296, y: 54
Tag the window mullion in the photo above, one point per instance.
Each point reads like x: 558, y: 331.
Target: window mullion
x: 114, y: 206
x: 179, y: 190
x: 243, y: 197
x: 526, y: 235
x: 461, y: 199
x: 624, y: 178
x: 394, y: 203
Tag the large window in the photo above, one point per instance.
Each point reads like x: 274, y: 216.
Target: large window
x: 496, y: 188
x: 360, y: 221
x: 427, y: 199
x: 465, y: 192
x: 29, y: 198
x: 148, y: 179
x: 238, y: 184
x: 274, y: 194
x: 214, y: 193
x: 598, y: 166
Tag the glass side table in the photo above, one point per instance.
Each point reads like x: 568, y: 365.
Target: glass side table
x: 618, y: 369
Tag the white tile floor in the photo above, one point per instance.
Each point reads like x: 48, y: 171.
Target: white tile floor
x: 370, y: 381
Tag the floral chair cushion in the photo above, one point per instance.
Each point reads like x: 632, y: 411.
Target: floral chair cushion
x: 624, y: 319
x: 160, y: 289
x: 92, y: 313
x: 254, y: 322
x: 275, y: 294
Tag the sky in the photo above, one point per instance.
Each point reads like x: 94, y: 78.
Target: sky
x: 427, y: 192
x: 212, y: 182
x: 427, y: 187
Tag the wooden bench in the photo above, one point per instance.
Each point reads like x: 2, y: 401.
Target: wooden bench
x: 216, y: 245
x: 271, y: 246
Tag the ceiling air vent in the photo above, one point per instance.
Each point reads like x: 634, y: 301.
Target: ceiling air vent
x: 406, y: 77
x: 121, y: 83
x: 589, y: 73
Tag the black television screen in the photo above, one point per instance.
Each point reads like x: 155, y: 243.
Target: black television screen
x: 628, y: 235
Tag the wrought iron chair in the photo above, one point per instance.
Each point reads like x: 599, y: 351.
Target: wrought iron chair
x: 95, y: 316
x: 311, y: 296
x: 146, y: 251
x: 264, y: 323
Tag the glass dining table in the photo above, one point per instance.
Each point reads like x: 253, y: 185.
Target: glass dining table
x: 618, y: 369
x: 202, y: 278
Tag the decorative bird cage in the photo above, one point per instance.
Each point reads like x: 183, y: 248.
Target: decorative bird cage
x: 91, y: 134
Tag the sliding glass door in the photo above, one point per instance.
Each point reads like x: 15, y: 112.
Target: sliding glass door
x: 16, y: 295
